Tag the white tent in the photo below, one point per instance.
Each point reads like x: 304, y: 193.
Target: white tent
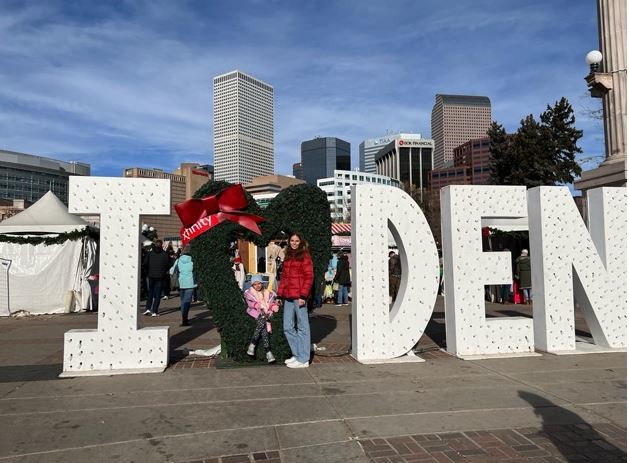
x: 40, y: 277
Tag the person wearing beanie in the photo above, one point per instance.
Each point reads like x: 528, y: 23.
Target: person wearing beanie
x: 157, y: 265
x: 261, y: 305
x: 523, y: 274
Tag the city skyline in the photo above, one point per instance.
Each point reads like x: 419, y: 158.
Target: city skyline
x: 130, y: 84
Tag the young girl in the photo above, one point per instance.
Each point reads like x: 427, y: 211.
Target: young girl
x: 261, y: 306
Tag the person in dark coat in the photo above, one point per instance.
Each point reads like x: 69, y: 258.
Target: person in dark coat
x: 395, y: 274
x: 523, y: 274
x: 343, y: 279
x: 157, y: 265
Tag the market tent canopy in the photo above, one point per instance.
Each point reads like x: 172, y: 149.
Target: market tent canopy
x: 506, y: 224
x: 341, y: 236
x: 338, y: 228
x: 48, y: 215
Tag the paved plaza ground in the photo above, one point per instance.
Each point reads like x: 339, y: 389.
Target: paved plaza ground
x: 532, y: 409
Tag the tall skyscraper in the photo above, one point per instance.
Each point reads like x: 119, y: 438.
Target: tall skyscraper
x: 368, y: 149
x: 408, y: 159
x: 243, y: 127
x: 320, y: 157
x: 455, y: 120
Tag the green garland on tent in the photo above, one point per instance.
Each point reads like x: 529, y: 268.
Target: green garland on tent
x: 302, y: 208
x: 49, y: 240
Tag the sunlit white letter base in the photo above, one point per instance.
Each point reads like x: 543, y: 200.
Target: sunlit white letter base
x: 569, y: 263
x: 380, y: 333
x: 467, y: 269
x: 117, y: 346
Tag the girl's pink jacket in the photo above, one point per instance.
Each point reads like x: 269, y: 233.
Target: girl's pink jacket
x: 254, y: 304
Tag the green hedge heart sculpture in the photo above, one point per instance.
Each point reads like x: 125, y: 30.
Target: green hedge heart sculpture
x: 300, y: 208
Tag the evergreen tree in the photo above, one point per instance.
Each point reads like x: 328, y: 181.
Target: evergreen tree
x: 539, y: 153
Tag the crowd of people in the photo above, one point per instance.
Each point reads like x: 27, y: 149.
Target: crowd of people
x: 164, y: 270
x: 519, y: 291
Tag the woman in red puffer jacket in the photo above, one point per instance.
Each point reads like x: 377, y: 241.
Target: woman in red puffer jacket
x: 294, y: 289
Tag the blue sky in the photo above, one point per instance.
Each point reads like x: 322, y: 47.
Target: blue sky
x: 129, y: 83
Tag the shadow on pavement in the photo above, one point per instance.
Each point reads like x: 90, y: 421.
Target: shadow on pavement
x: 199, y: 325
x: 436, y: 329
x: 20, y: 373
x: 320, y: 326
x: 588, y: 445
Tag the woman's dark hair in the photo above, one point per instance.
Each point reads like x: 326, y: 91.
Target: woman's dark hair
x: 299, y: 252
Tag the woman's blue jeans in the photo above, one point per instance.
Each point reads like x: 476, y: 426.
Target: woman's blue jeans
x: 186, y: 300
x: 298, y: 336
x: 342, y: 296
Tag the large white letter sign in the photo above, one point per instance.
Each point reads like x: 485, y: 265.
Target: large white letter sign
x: 117, y: 346
x: 469, y: 334
x: 562, y: 247
x: 381, y: 334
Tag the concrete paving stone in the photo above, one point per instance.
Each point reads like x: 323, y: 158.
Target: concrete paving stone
x: 413, y: 384
x: 470, y: 420
x: 7, y: 388
x: 549, y: 362
x: 344, y: 452
x: 577, y: 392
x: 402, y: 402
x: 615, y: 412
x: 27, y: 373
x: 13, y: 405
x: 434, y: 369
x: 38, y: 432
x: 25, y: 355
x: 296, y: 435
x: 175, y: 380
x: 573, y: 375
x: 199, y: 447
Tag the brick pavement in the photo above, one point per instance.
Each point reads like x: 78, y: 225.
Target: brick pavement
x: 599, y: 443
x: 550, y: 444
x: 332, y: 353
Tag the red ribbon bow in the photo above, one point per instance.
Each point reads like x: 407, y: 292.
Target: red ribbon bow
x: 199, y: 215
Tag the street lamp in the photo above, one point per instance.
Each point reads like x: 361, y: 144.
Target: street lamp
x: 599, y: 83
x: 594, y: 58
